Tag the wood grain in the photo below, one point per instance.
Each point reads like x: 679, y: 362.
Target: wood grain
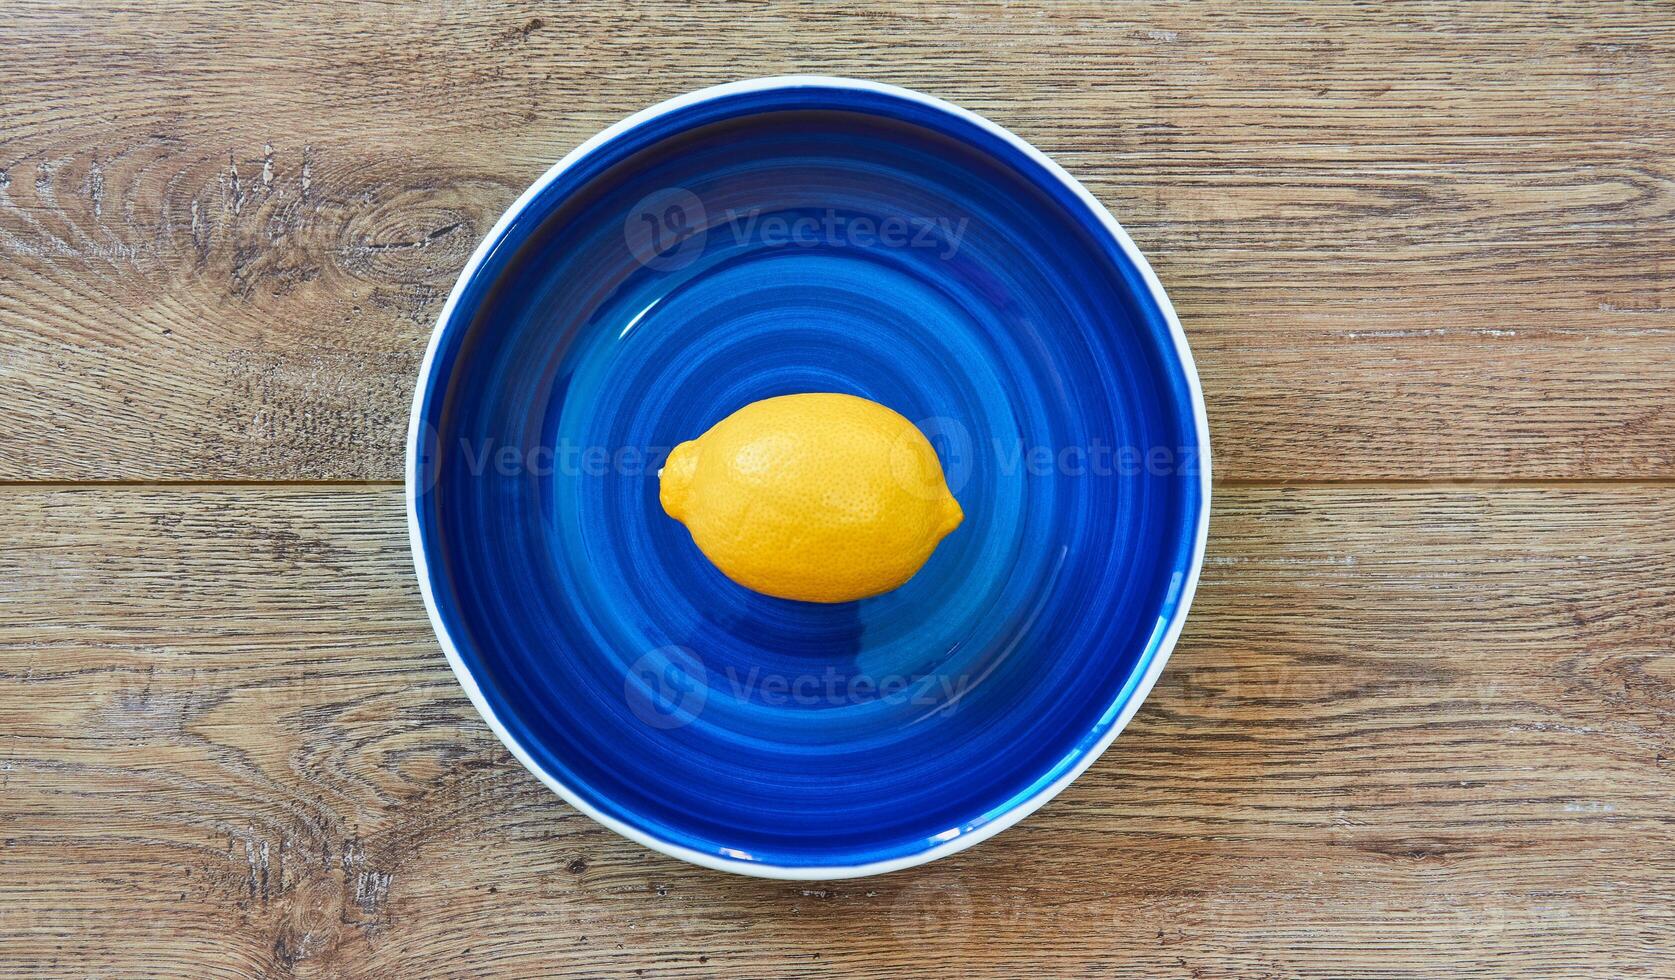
x: 1408, y: 241
x: 1408, y: 732
x: 1421, y: 722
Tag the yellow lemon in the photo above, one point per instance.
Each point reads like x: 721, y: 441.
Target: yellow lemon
x: 819, y: 497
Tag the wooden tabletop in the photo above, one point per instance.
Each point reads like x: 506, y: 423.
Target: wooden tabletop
x: 1422, y: 719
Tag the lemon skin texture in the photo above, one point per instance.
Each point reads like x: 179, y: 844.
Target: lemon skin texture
x: 820, y: 497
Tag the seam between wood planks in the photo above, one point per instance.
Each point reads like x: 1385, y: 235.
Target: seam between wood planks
x: 1452, y: 483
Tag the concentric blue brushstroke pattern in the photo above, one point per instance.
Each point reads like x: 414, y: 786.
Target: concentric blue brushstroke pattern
x: 805, y: 238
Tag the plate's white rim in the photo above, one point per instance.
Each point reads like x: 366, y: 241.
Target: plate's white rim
x: 963, y: 841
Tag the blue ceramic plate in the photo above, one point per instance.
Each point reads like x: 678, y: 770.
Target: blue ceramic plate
x: 788, y: 235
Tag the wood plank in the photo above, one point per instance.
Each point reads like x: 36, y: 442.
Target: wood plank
x: 1408, y: 732
x: 1406, y: 241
